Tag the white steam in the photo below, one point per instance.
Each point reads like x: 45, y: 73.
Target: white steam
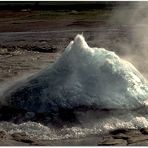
x: 134, y: 46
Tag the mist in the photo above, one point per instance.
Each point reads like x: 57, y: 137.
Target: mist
x: 134, y: 46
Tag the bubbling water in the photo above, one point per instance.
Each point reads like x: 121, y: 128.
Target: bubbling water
x: 93, y: 128
x: 83, y: 77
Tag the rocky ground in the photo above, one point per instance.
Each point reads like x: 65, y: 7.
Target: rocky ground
x: 120, y: 137
x: 123, y: 137
x: 42, y: 36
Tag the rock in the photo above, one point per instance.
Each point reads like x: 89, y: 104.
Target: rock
x: 112, y: 141
x: 121, y: 136
x: 125, y: 133
x: 114, y: 132
x: 124, y: 137
x: 21, y: 137
x: 40, y: 143
x: 133, y: 133
x: 134, y: 139
x: 26, y: 140
x: 103, y: 138
x: 3, y: 135
x: 142, y: 143
x: 144, y: 130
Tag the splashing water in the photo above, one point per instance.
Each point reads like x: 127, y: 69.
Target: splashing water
x: 83, y: 77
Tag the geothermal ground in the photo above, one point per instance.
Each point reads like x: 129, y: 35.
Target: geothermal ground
x: 41, y: 37
x: 30, y: 40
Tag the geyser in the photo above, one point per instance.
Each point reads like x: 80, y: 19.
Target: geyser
x: 81, y: 77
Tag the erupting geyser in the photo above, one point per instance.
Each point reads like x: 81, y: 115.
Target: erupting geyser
x: 82, y: 77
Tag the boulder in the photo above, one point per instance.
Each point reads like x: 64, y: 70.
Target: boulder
x: 3, y: 135
x: 21, y: 137
x: 135, y: 139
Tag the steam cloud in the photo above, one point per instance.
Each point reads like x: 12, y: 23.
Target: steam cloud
x: 134, y: 47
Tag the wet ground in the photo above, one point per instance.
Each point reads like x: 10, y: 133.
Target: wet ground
x: 120, y: 137
x: 42, y: 36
